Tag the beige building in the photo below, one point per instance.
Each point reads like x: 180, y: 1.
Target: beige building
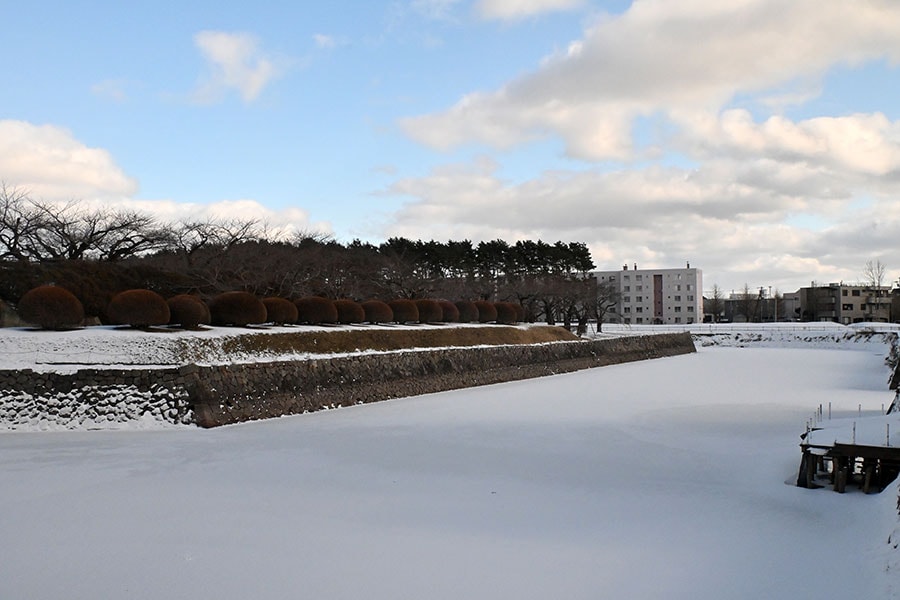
x: 845, y: 304
x: 653, y: 296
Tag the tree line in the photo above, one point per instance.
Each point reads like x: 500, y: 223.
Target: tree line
x: 100, y: 252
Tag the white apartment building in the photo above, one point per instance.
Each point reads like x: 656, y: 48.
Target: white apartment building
x: 654, y: 296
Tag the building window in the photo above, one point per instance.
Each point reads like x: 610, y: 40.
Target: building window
x: 639, y: 288
x: 854, y: 293
x: 677, y: 298
x: 690, y: 287
x: 843, y: 292
x: 846, y: 307
x: 638, y: 298
x: 626, y: 277
x: 678, y: 319
x: 626, y: 288
x: 626, y: 299
x: 690, y: 298
x: 627, y: 309
x: 638, y: 277
x: 678, y: 288
x: 690, y: 309
x: 639, y: 320
x: 677, y: 309
x: 639, y: 309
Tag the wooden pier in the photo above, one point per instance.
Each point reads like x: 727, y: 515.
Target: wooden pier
x: 871, y: 468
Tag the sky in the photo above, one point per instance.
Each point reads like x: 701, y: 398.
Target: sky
x: 757, y: 139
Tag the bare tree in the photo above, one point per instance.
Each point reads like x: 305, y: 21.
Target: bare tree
x: 715, y: 304
x: 873, y: 274
x: 607, y: 301
x: 19, y: 224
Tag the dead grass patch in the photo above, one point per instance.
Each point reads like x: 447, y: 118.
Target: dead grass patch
x: 339, y: 341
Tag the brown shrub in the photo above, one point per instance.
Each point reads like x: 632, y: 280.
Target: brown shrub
x: 486, y: 311
x: 506, y: 313
x: 520, y: 312
x: 51, y: 307
x: 188, y: 311
x: 316, y: 310
x: 405, y: 311
x: 349, y: 312
x: 138, y: 308
x: 450, y: 314
x: 280, y: 311
x: 429, y: 311
x: 237, y: 308
x: 377, y: 311
x: 468, y: 312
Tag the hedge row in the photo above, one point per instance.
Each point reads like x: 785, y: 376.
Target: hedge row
x: 53, y: 307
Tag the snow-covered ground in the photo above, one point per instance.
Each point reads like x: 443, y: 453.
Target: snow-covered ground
x: 122, y: 347
x: 668, y: 479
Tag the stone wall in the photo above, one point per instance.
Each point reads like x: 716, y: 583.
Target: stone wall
x: 217, y: 395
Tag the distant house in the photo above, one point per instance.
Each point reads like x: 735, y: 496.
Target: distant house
x: 845, y: 304
x: 654, y: 296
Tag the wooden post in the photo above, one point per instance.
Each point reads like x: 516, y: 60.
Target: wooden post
x: 840, y: 481
x: 810, y: 470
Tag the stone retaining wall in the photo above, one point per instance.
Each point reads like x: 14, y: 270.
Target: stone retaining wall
x: 218, y: 395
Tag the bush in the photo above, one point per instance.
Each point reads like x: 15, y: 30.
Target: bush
x: 468, y: 312
x: 138, y: 308
x: 520, y: 312
x: 280, y: 311
x: 405, y: 311
x: 188, y: 311
x: 486, y: 311
x: 506, y: 313
x: 316, y: 310
x: 449, y: 312
x: 377, y: 311
x: 51, y: 307
x: 237, y: 308
x: 429, y: 311
x: 349, y: 312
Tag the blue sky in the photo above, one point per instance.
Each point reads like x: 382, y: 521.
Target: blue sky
x: 758, y: 139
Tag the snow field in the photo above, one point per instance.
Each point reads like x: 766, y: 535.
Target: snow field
x: 659, y: 479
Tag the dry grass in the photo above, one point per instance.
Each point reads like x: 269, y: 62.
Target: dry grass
x: 357, y: 339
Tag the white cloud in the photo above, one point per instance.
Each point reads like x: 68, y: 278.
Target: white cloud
x: 731, y: 217
x: 324, y: 41
x: 518, y: 9
x: 236, y: 62
x: 663, y: 56
x: 51, y: 163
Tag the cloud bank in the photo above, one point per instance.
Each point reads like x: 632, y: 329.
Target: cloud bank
x: 741, y: 190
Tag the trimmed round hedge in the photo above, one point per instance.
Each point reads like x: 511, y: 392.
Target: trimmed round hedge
x: 138, y: 308
x: 51, y: 307
x: 487, y: 312
x: 315, y: 310
x: 506, y: 313
x: 188, y: 311
x: 280, y: 311
x: 238, y: 309
x: 429, y: 311
x: 405, y: 311
x: 349, y: 312
x: 450, y: 314
x: 468, y: 312
x: 377, y: 311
